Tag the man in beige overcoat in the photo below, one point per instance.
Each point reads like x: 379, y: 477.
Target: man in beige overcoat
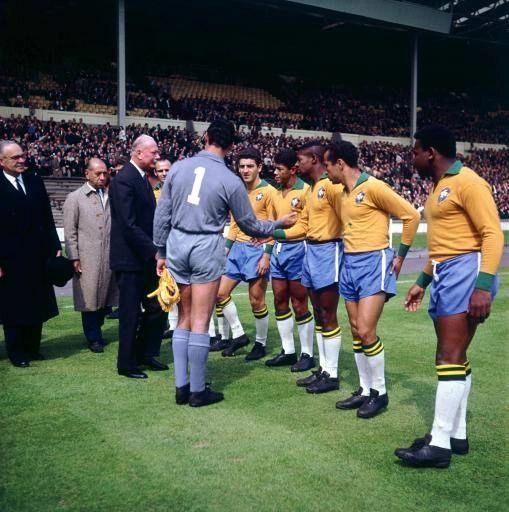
x: 87, y: 241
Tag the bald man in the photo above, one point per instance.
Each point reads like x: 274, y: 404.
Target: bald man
x: 132, y: 258
x: 28, y: 238
x: 87, y: 224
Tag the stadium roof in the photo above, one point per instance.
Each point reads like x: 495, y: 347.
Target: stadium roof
x: 486, y: 20
x: 483, y: 20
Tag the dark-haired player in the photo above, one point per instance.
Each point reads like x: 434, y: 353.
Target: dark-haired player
x: 286, y: 270
x: 247, y: 261
x: 188, y: 232
x: 370, y: 267
x: 320, y: 223
x: 465, y: 245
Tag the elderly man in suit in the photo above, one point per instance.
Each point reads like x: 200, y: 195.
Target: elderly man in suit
x: 132, y: 257
x: 87, y: 242
x: 28, y: 239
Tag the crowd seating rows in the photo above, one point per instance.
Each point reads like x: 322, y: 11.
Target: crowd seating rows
x: 367, y: 110
x: 61, y: 149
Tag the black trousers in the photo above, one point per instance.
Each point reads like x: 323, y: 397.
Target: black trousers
x: 140, y: 333
x: 23, y: 342
x: 92, y: 322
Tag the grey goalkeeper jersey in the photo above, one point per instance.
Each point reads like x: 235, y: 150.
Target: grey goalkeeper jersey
x: 197, y: 196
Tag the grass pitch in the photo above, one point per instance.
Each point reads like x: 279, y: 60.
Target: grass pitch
x: 77, y: 437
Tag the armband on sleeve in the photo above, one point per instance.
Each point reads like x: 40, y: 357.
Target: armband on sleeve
x: 279, y: 234
x: 403, y: 250
x: 484, y: 281
x: 424, y: 280
x: 228, y: 244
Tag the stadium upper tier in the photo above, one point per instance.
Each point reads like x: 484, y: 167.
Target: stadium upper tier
x: 367, y: 110
x: 60, y: 150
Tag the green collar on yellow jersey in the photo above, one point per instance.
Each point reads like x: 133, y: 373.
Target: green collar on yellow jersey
x: 262, y: 183
x: 455, y: 168
x: 362, y: 178
x: 298, y: 185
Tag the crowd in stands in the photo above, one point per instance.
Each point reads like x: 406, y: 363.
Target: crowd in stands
x: 366, y: 110
x: 61, y: 149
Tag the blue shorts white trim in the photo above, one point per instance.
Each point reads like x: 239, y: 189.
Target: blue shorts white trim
x: 453, y: 284
x: 364, y: 274
x: 242, y: 262
x: 286, y: 260
x: 321, y: 264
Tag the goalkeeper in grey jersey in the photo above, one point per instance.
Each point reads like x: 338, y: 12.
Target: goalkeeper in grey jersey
x: 188, y: 230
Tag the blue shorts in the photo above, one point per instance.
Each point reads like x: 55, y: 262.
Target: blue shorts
x: 286, y: 260
x: 242, y: 262
x: 367, y: 273
x: 321, y: 264
x: 453, y: 284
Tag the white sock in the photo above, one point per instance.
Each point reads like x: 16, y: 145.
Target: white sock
x: 459, y: 429
x: 331, y: 348
x: 212, y: 327
x: 363, y: 368
x: 319, y: 344
x: 285, y: 328
x: 231, y: 315
x: 447, y: 403
x: 374, y: 353
x: 223, y: 327
x: 173, y: 318
x: 377, y: 368
x: 306, y: 331
x: 262, y: 325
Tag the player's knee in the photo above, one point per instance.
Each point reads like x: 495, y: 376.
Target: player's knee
x: 365, y: 334
x: 257, y: 303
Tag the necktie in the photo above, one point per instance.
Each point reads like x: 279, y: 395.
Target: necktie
x: 19, y: 186
x: 100, y: 192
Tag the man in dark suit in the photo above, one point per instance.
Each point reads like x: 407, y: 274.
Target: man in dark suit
x: 28, y: 238
x: 132, y: 257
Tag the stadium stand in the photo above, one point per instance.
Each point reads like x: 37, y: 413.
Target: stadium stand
x: 59, y: 150
x: 365, y: 109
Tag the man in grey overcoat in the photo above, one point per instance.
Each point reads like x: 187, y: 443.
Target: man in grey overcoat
x: 87, y: 225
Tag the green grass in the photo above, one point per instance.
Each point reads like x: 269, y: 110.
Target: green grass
x: 418, y: 243
x: 76, y: 437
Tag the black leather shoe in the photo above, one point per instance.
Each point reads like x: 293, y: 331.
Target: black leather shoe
x: 354, y: 402
x: 20, y: 363
x: 310, y: 379
x: 416, y: 445
x: 182, y: 394
x: 257, y: 352
x: 282, y: 359
x: 114, y: 315
x: 133, y: 374
x: 458, y: 446
x: 205, y: 397
x: 220, y: 344
x: 428, y: 456
x: 96, y: 347
x: 167, y: 334
x: 305, y: 362
x: 324, y: 384
x: 236, y: 343
x: 373, y: 405
x: 155, y: 365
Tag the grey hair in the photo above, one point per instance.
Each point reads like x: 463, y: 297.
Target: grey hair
x: 141, y: 141
x: 4, y: 144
